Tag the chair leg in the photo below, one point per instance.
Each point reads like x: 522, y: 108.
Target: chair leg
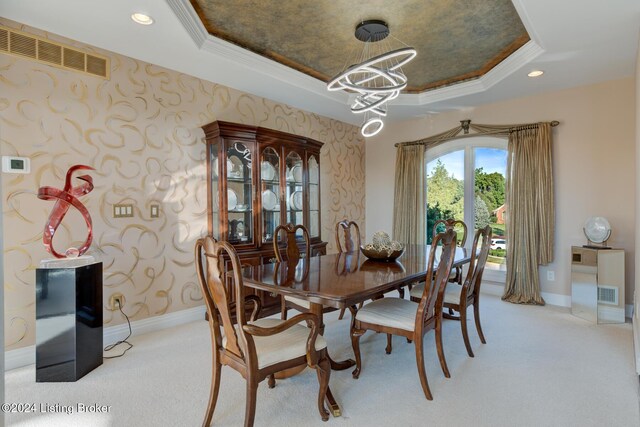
x: 283, y: 309
x: 272, y: 381
x: 355, y: 343
x: 476, y: 315
x: 421, y: 371
x: 388, y: 349
x: 463, y: 324
x: 401, y: 292
x: 342, y: 310
x: 215, y: 387
x: 324, y: 371
x: 250, y: 408
x: 440, y: 348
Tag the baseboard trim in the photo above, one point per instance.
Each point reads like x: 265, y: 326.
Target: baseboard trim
x: 20, y: 357
x: 636, y: 341
x: 550, y: 298
x: 27, y: 355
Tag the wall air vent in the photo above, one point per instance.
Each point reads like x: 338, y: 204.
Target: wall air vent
x: 53, y: 53
x: 608, y: 295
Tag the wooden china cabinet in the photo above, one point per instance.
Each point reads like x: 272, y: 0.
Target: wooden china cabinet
x: 257, y: 179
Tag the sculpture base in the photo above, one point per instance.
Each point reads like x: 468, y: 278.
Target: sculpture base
x: 69, y: 339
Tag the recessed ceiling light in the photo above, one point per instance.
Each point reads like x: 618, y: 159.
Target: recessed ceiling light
x: 142, y: 18
x: 535, y: 73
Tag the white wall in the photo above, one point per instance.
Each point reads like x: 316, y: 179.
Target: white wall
x: 593, y: 160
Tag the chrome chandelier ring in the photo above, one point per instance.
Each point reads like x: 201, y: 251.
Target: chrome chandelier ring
x: 405, y: 54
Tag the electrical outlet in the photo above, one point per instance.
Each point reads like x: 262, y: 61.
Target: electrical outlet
x: 551, y: 275
x: 116, y: 302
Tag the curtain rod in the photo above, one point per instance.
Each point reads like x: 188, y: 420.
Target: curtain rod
x: 465, y: 127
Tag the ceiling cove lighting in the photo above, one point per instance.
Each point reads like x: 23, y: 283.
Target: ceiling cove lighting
x: 375, y: 75
x: 535, y: 73
x: 141, y: 18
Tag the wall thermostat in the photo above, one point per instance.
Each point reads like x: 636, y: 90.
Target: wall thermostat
x: 12, y: 164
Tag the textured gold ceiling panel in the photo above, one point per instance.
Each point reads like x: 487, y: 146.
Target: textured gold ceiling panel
x: 456, y: 40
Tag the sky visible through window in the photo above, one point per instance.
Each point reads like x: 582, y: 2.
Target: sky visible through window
x: 490, y: 159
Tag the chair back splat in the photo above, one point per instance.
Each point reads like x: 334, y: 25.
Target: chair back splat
x: 349, y: 244
x: 452, y: 223
x: 432, y: 296
x: 478, y: 260
x: 292, y: 249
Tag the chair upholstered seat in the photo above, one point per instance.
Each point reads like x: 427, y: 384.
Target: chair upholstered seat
x: 299, y: 302
x: 286, y: 345
x: 391, y: 312
x: 451, y: 293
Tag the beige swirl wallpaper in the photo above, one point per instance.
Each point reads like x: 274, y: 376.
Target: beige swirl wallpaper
x: 141, y: 131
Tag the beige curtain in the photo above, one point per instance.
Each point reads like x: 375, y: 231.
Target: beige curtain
x: 409, y: 200
x: 530, y: 212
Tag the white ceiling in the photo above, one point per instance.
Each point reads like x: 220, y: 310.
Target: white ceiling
x: 576, y: 42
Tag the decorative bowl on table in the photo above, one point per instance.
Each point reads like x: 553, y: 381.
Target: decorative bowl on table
x: 382, y: 248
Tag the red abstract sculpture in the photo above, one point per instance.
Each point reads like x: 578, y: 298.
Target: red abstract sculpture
x: 65, y: 197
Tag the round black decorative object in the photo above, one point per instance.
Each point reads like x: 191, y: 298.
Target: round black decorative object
x: 372, y: 30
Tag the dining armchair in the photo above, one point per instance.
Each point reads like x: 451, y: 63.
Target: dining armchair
x: 257, y: 349
x: 412, y: 320
x: 456, y: 224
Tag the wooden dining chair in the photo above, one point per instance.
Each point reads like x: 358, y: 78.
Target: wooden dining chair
x: 397, y: 316
x: 456, y: 274
x: 257, y: 349
x: 292, y: 255
x: 459, y: 298
x: 346, y: 227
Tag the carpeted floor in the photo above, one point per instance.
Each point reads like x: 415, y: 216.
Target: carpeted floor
x: 540, y: 367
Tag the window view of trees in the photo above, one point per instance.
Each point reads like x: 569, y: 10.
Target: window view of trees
x: 446, y: 190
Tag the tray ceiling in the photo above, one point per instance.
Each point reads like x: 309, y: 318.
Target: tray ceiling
x: 456, y: 40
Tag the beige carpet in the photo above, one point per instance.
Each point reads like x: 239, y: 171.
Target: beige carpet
x: 540, y: 367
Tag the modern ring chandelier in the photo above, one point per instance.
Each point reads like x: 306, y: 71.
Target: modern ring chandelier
x: 376, y: 76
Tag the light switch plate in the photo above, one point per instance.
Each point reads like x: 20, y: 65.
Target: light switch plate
x: 123, y: 211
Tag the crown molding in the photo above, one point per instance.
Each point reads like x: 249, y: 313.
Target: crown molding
x: 514, y: 62
x: 189, y: 20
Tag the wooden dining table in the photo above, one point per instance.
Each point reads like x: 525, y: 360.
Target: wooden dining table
x: 342, y: 280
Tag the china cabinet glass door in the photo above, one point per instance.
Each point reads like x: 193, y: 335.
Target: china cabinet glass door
x: 215, y: 190
x: 294, y: 200
x: 239, y: 193
x: 314, y: 197
x: 270, y: 192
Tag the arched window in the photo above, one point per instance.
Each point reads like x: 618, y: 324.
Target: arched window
x: 465, y: 180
